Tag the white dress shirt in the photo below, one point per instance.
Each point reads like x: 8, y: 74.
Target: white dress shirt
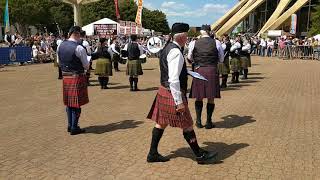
x: 235, y: 46
x: 218, y: 46
x: 246, y: 47
x: 112, y: 50
x: 86, y: 44
x: 175, y: 63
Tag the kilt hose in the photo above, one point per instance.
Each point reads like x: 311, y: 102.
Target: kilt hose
x: 163, y: 110
x: 103, y: 67
x: 134, y: 68
x: 235, y: 64
x: 75, y: 91
x: 201, y: 89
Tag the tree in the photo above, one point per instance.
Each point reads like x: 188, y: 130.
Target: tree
x: 315, y: 19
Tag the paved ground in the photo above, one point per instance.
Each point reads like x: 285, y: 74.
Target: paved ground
x: 267, y: 128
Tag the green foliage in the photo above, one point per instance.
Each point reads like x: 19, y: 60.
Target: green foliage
x: 315, y: 19
x: 193, y: 33
x: 49, y: 13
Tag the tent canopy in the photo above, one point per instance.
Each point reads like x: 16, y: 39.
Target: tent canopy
x: 90, y: 27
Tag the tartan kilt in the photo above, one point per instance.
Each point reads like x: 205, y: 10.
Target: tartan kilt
x: 201, y: 89
x: 235, y: 64
x: 103, y: 67
x: 224, y: 68
x: 163, y: 110
x: 244, y: 61
x: 75, y: 91
x: 134, y: 68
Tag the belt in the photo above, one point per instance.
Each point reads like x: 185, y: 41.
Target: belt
x: 72, y: 74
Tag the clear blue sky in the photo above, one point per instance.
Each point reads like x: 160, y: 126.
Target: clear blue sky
x: 194, y: 12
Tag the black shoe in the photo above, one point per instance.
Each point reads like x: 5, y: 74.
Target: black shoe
x: 209, y: 125
x: 156, y: 158
x: 77, y: 131
x: 205, y: 156
x: 69, y: 129
x: 105, y: 87
x: 131, y: 89
x: 199, y: 125
x: 59, y: 77
x: 237, y: 81
x: 223, y: 86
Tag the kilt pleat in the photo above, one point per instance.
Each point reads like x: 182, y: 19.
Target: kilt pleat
x: 134, y: 68
x: 224, y: 68
x: 244, y: 62
x: 103, y: 67
x: 235, y: 64
x: 163, y: 111
x: 75, y: 91
x: 201, y: 89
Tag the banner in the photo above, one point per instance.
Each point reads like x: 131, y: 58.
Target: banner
x: 133, y: 28
x: 139, y: 12
x: 9, y: 55
x: 116, y: 4
x: 6, y: 18
x: 293, y: 28
x: 105, y: 30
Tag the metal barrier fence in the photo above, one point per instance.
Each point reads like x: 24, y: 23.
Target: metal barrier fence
x: 9, y: 55
x: 292, y: 52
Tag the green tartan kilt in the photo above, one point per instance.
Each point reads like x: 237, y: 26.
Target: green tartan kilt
x: 224, y: 68
x: 103, y: 67
x: 134, y: 68
x: 244, y: 61
x: 235, y: 64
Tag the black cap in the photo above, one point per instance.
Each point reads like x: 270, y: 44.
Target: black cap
x: 179, y: 28
x: 75, y: 29
x: 206, y: 28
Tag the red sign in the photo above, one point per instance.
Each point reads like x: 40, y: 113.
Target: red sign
x: 105, y: 30
x: 117, y: 9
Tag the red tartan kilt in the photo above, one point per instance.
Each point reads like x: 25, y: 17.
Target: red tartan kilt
x: 163, y: 111
x: 75, y: 91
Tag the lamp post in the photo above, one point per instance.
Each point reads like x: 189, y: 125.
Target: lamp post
x: 77, y: 10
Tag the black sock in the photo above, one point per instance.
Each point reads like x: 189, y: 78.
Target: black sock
x: 131, y: 82
x: 237, y: 76
x: 100, y: 81
x: 156, y: 136
x: 210, y: 110
x: 191, y: 139
x: 198, y: 107
x: 106, y: 81
x: 135, y: 85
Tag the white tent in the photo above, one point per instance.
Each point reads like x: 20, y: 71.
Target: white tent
x: 90, y: 27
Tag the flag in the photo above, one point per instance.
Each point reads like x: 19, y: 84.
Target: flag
x: 6, y: 18
x: 139, y: 12
x: 116, y: 3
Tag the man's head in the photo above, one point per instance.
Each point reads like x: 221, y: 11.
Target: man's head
x: 75, y: 33
x: 205, y: 30
x: 179, y: 31
x: 134, y: 37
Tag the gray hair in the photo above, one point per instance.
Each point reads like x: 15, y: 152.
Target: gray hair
x: 177, y: 35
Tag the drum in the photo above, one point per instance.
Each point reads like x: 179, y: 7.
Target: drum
x: 143, y: 58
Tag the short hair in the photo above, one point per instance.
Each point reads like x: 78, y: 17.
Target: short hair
x: 134, y: 37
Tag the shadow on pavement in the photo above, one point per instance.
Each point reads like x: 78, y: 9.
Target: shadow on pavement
x: 100, y: 129
x: 233, y: 121
x: 254, y: 77
x: 254, y: 74
x: 120, y: 87
x: 150, y: 89
x: 224, y: 151
x: 148, y: 69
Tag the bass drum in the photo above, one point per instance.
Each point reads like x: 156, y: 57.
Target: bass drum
x: 143, y: 58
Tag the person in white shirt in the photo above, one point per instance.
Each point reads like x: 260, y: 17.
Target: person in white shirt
x: 270, y: 46
x: 114, y: 50
x: 134, y: 68
x: 206, y: 53
x: 245, y: 58
x: 9, y: 39
x: 263, y: 46
x: 235, y: 60
x: 171, y: 105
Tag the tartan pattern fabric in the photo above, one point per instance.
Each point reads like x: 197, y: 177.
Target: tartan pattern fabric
x: 163, y: 111
x: 244, y: 61
x: 224, y: 68
x: 103, y: 67
x: 75, y: 91
x: 235, y: 64
x: 201, y: 89
x: 134, y: 68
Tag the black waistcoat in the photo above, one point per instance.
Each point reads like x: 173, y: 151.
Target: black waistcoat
x: 69, y: 62
x: 164, y: 69
x: 205, y: 52
x: 133, y: 51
